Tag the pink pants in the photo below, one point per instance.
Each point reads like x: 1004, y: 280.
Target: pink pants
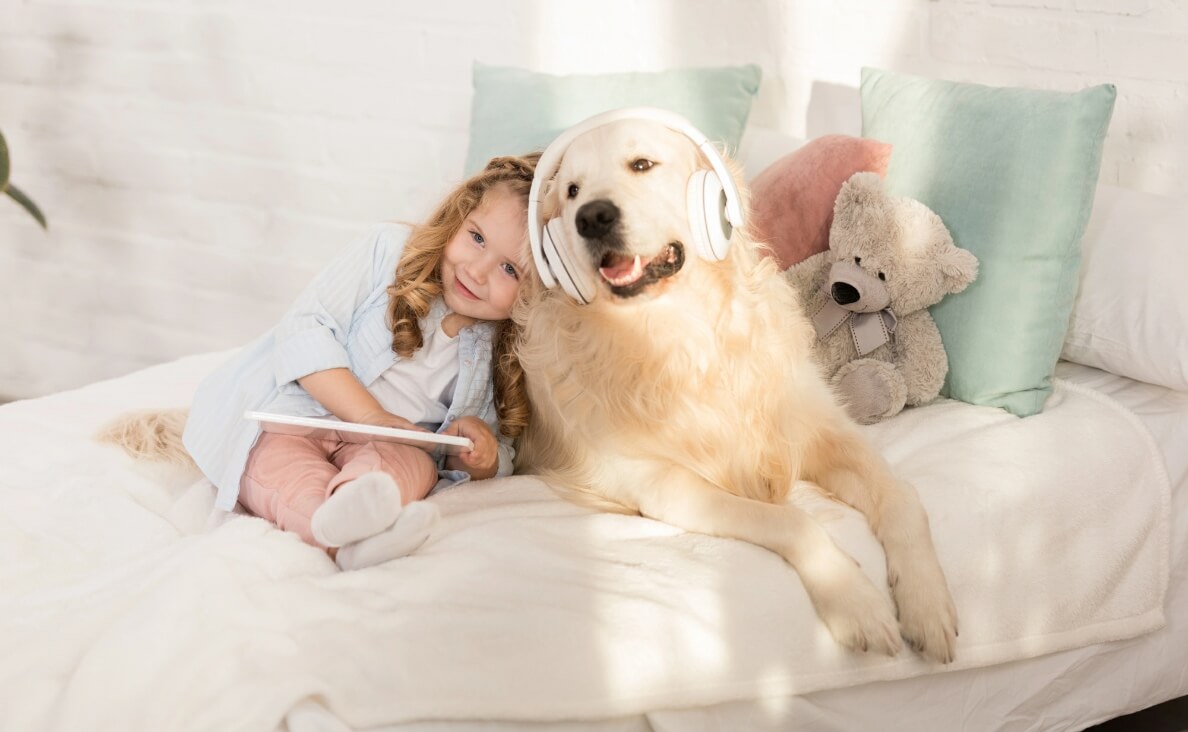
x: 287, y: 478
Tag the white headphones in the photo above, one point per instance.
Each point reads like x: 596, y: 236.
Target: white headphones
x: 712, y: 200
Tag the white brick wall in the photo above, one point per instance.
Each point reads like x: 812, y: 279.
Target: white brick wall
x: 200, y: 161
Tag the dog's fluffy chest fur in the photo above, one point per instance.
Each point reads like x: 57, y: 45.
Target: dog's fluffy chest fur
x: 694, y: 378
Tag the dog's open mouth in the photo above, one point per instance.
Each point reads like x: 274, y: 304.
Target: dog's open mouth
x: 629, y: 274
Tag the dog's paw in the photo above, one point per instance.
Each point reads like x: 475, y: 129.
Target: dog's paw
x: 927, y: 615
x: 858, y: 616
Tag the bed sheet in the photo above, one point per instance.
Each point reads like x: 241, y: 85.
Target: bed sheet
x: 122, y: 606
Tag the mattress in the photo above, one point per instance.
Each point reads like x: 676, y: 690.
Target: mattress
x: 123, y: 607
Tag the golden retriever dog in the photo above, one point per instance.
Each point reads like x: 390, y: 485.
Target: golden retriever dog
x: 686, y: 392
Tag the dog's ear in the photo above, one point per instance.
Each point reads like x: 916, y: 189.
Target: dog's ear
x: 548, y: 198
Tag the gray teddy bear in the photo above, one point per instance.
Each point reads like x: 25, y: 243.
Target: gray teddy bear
x: 889, y: 259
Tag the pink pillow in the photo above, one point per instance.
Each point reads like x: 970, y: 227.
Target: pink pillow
x: 792, y: 199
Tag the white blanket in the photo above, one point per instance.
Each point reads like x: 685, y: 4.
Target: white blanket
x: 120, y: 610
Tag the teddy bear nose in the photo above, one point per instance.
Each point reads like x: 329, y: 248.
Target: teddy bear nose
x: 844, y: 293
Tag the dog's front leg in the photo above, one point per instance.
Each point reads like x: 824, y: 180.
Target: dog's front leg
x: 848, y: 467
x: 856, y: 613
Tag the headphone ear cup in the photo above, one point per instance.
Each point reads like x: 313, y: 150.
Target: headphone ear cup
x: 706, y: 201
x: 549, y: 252
x: 577, y: 281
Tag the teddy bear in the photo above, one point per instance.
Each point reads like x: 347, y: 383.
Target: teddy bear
x: 889, y: 259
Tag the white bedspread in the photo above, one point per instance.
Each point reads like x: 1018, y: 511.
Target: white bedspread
x: 118, y: 610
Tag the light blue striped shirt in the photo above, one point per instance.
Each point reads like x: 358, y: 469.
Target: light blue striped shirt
x: 340, y: 321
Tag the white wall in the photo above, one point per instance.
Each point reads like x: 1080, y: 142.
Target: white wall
x: 199, y: 161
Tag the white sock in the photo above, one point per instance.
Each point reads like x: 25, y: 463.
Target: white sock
x: 412, y: 528
x: 358, y: 509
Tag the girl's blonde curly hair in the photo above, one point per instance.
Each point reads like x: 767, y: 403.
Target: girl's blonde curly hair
x: 418, y: 283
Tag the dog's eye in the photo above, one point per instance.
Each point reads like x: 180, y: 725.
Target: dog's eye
x: 857, y: 260
x: 882, y: 277
x: 641, y: 164
x: 573, y: 190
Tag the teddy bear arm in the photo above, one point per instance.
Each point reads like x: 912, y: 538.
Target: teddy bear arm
x: 920, y: 357
x: 870, y: 390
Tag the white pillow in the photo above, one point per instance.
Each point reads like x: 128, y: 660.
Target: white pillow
x: 762, y: 146
x: 1131, y: 313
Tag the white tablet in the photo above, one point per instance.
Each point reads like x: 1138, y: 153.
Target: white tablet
x: 325, y: 428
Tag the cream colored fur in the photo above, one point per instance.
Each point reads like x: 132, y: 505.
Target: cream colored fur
x: 698, y: 403
x: 152, y: 434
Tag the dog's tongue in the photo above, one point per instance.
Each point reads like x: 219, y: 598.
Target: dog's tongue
x: 620, y: 269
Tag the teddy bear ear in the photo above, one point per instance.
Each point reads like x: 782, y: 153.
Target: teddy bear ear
x: 859, y: 187
x: 959, y: 268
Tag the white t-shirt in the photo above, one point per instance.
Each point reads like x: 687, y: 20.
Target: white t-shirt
x: 421, y: 388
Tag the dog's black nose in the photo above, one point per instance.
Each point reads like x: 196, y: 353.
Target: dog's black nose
x: 596, y: 218
x: 844, y: 293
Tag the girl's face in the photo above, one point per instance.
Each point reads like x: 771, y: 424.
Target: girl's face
x: 482, y: 265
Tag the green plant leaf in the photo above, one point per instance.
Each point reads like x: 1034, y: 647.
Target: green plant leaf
x: 27, y: 204
x: 4, y: 167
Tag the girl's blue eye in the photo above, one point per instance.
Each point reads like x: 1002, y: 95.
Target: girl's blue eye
x: 511, y: 270
x: 478, y: 238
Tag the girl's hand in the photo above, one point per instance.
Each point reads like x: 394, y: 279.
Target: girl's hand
x: 483, y: 460
x: 340, y: 392
x: 381, y: 418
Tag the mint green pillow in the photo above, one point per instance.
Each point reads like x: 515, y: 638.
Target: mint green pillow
x: 1012, y: 173
x: 515, y: 111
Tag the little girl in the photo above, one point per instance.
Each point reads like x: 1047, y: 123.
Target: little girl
x: 407, y: 330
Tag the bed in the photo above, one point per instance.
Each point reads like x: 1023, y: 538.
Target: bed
x: 124, y: 606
